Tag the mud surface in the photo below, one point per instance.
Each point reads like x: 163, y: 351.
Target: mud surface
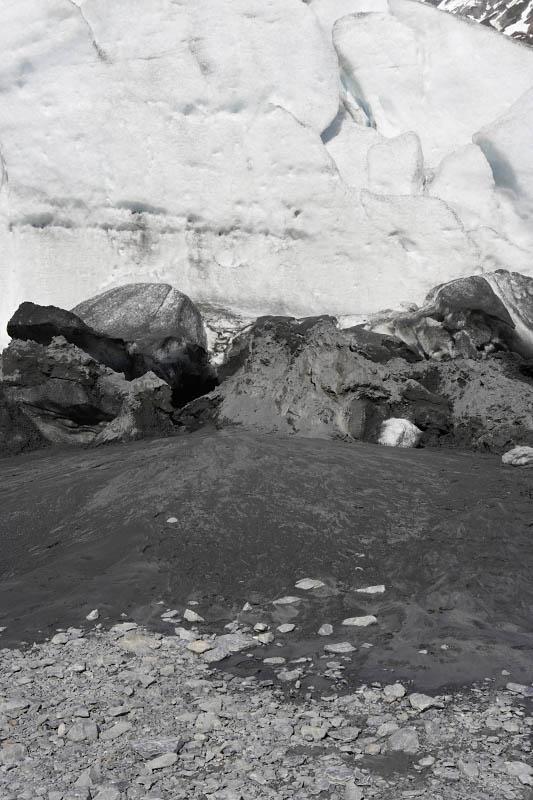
x: 449, y: 535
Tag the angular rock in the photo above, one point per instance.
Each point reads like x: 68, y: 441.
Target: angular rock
x: 421, y: 702
x: 360, y: 622
x: 404, y: 740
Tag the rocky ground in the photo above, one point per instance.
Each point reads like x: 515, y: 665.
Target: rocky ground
x: 132, y: 714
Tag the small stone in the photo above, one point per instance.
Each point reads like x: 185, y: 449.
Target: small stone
x: 325, y: 630
x: 520, y: 770
x: 12, y: 755
x: 149, y: 748
x: 519, y: 688
x: 192, y: 616
x: 161, y: 762
x: 185, y: 634
x: 421, y: 702
x: 60, y: 638
x: 386, y: 729
x: 372, y: 749
x: 265, y: 638
x: 247, y: 606
x: 260, y: 627
x: 352, y: 791
x: 117, y: 730
x: 172, y: 520
x: 124, y: 627
x: 339, y: 647
x: 108, y: 793
x: 83, y: 731
x: 274, y: 660
x: 427, y: 761
x: 287, y: 627
x: 200, y: 646
x: 93, y: 615
x: 287, y: 675
x: 136, y: 643
x: 360, y: 622
x: 405, y: 740
x: 313, y: 733
x: 306, y: 584
x: 394, y: 691
x: 286, y: 601
x: 372, y: 589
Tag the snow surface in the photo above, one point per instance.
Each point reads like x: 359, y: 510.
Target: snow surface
x: 264, y: 156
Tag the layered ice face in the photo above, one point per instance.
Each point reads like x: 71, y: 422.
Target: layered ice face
x: 271, y: 156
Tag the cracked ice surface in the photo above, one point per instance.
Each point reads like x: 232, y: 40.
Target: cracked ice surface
x: 226, y: 149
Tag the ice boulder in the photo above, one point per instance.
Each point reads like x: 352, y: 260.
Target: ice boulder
x: 399, y: 433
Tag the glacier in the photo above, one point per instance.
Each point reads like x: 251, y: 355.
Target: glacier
x: 267, y: 156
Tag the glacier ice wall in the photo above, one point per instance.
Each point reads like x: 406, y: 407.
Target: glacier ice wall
x: 267, y: 155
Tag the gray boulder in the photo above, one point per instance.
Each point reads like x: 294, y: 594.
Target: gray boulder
x: 165, y: 331
x: 70, y: 398
x: 309, y: 378
x: 468, y: 317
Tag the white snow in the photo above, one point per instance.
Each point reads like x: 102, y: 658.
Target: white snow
x: 265, y: 156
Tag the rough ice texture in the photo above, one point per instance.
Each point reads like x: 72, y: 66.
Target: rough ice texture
x: 237, y: 153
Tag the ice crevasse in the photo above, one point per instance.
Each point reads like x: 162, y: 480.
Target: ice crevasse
x: 272, y: 156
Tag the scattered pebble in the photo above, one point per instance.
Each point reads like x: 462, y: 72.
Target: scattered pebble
x: 325, y: 630
x: 372, y: 589
x: 360, y: 622
x: 287, y: 627
x: 306, y: 584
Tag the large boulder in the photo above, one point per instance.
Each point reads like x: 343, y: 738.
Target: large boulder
x: 41, y: 324
x: 467, y: 317
x: 165, y: 331
x: 144, y: 313
x: 176, y: 355
x: 310, y: 378
x: 70, y: 398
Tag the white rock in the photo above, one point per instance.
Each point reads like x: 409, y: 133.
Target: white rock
x: 286, y: 627
x: 172, y: 520
x: 286, y: 601
x: 325, y: 630
x: 399, y: 433
x: 93, y: 615
x: 360, y: 622
x: 192, y: 616
x: 339, y: 647
x: 309, y: 583
x: 372, y: 589
x: 186, y: 634
x: 394, y: 690
x: 421, y: 702
x: 199, y: 646
x: 518, y: 457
